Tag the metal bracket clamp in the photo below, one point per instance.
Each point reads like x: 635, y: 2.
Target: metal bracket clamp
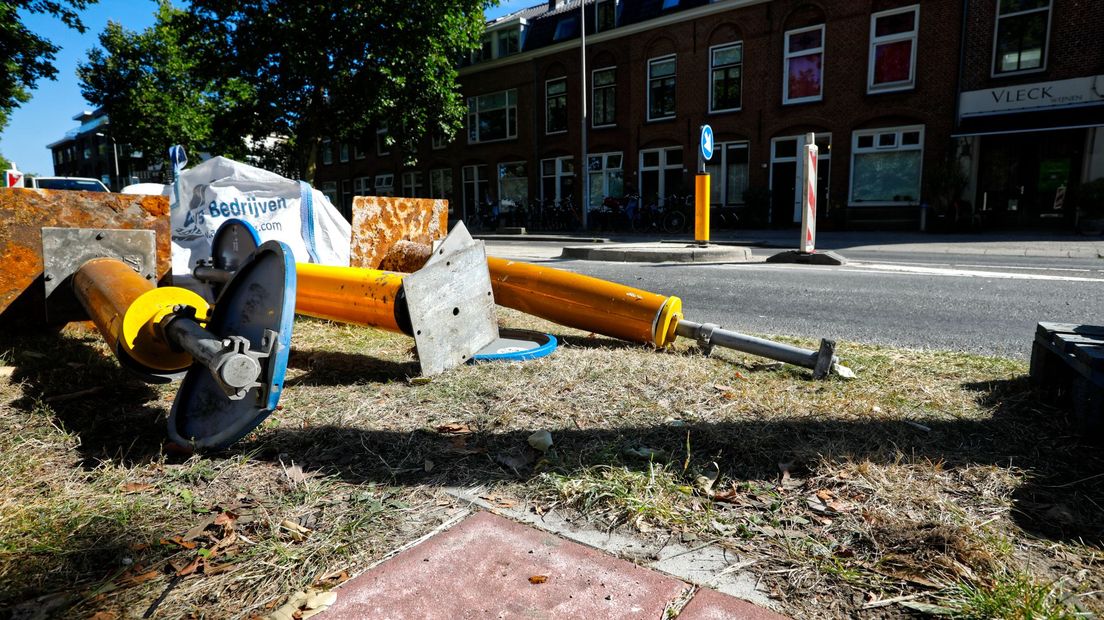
x: 704, y: 336
x: 64, y: 250
x: 234, y: 366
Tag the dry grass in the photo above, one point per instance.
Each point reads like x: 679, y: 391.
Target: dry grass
x: 936, y: 477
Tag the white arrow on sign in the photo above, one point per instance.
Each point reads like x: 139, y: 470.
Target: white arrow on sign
x: 706, y: 142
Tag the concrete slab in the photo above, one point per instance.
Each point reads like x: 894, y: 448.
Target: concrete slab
x: 482, y: 568
x: 712, y: 605
x: 660, y: 252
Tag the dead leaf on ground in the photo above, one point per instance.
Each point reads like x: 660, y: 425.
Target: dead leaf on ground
x: 104, y: 615
x: 177, y: 540
x: 332, y: 579
x: 132, y: 580
x: 454, y: 428
x: 136, y: 487
x: 297, y: 532
x: 499, y: 500
x: 723, y: 388
x: 535, y: 579
x: 295, y: 474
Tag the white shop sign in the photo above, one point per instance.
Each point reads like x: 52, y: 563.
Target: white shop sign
x: 1060, y: 94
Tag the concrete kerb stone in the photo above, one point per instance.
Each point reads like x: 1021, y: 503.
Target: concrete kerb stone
x: 660, y: 253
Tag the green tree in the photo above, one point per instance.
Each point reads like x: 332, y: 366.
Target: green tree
x: 150, y: 85
x: 337, y: 68
x: 26, y: 56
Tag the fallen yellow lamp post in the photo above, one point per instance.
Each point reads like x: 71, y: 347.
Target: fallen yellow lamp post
x: 232, y: 357
x: 447, y: 306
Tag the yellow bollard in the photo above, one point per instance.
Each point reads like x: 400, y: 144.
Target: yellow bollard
x: 701, y: 209
x: 351, y: 295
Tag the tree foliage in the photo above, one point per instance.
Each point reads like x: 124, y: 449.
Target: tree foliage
x: 338, y: 68
x: 150, y: 85
x: 26, y: 56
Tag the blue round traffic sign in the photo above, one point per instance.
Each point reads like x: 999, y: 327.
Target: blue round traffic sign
x: 706, y: 142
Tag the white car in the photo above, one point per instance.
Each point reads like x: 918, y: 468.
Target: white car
x: 78, y: 183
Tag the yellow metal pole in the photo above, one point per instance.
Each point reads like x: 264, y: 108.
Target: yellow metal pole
x: 701, y: 208
x: 584, y: 302
x: 127, y: 309
x: 350, y: 295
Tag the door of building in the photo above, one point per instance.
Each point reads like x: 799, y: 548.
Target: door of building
x: 787, y: 170
x: 1020, y: 177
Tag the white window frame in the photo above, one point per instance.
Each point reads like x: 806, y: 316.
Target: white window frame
x: 438, y: 140
x: 343, y: 152
x: 1046, y: 42
x: 382, y: 147
x: 875, y: 41
x: 473, y: 117
x: 787, y: 55
x: 476, y: 182
x: 501, y: 195
x: 363, y: 186
x: 358, y: 151
x: 411, y: 183
x: 594, y: 88
x: 558, y: 175
x: 548, y: 100
x: 712, y: 68
x: 662, y: 167
x: 897, y: 146
x: 385, y: 184
x: 327, y: 152
x: 720, y: 155
x: 604, y: 171
x: 438, y: 189
x: 648, y: 86
x: 329, y: 188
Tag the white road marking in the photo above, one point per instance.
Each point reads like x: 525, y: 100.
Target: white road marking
x: 971, y: 273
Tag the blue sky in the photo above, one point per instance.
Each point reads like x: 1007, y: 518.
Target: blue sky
x: 49, y: 113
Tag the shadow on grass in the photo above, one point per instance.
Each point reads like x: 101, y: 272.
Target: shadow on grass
x: 336, y: 368
x: 1061, y: 499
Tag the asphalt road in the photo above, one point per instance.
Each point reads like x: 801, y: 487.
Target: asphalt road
x: 980, y: 304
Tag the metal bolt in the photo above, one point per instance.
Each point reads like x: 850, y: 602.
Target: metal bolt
x: 99, y: 236
x: 149, y: 276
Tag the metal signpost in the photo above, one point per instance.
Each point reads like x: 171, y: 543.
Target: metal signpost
x: 701, y: 187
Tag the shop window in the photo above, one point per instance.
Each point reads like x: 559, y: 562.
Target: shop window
x: 804, y: 54
x: 492, y: 117
x: 726, y: 63
x: 661, y: 174
x: 555, y: 106
x: 892, y: 62
x: 886, y: 165
x: 476, y: 188
x: 604, y: 97
x: 661, y: 88
x: 729, y: 172
x: 411, y: 184
x: 1023, y: 27
x: 605, y: 177
x: 557, y: 178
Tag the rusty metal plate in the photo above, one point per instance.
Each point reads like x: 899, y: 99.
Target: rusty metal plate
x: 25, y: 212
x: 379, y: 222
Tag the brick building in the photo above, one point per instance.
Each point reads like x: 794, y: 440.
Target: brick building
x: 1030, y: 116
x: 89, y: 151
x: 875, y: 80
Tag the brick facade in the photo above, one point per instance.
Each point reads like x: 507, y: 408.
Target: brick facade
x: 688, y: 34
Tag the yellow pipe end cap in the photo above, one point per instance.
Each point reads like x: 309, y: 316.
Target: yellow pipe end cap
x: 667, y: 321
x: 141, y: 339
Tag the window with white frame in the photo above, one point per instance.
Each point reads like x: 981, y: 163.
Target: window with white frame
x: 661, y: 88
x: 726, y: 66
x: 440, y: 186
x: 892, y: 63
x: 605, y: 177
x: 344, y: 152
x: 557, y: 178
x: 363, y: 186
x: 439, y: 139
x: 513, y: 185
x: 605, y: 15
x: 411, y: 184
x: 661, y: 174
x: 555, y: 105
x: 327, y: 152
x: 358, y: 151
x: 603, y: 84
x: 804, y: 54
x: 492, y: 116
x: 729, y: 172
x: 385, y: 184
x: 1022, y: 30
x: 329, y: 188
x: 507, y: 42
x: 383, y: 141
x: 886, y: 165
x: 476, y: 188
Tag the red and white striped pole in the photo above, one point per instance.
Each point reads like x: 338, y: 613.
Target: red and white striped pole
x: 809, y: 197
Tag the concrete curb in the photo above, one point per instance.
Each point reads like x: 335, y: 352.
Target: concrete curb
x: 659, y: 253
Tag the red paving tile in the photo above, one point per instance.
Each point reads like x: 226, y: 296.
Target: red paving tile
x: 481, y: 569
x: 712, y: 605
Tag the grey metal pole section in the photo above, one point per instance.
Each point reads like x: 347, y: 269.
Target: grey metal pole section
x: 708, y: 335
x: 583, y: 176
x: 232, y: 368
